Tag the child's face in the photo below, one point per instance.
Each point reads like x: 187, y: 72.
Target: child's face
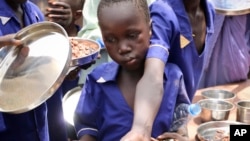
x: 125, y: 34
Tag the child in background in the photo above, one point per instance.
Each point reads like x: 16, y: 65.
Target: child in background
x: 228, y: 44
x: 106, y: 106
x: 31, y: 125
x: 65, y: 13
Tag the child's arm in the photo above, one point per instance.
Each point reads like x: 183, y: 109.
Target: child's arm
x: 148, y: 98
x: 149, y: 90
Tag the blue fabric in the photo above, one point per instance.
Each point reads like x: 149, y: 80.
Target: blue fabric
x: 102, y: 108
x: 228, y: 59
x: 248, y: 30
x: 32, y: 125
x: 169, y: 23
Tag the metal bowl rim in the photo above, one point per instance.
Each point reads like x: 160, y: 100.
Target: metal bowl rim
x: 239, y: 106
x: 217, y: 100
x: 204, y: 94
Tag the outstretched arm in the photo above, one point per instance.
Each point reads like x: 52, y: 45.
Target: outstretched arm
x: 149, y: 90
x: 149, y: 94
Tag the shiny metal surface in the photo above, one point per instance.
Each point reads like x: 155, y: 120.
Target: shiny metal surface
x: 214, y: 110
x: 218, y: 94
x: 88, y: 58
x: 232, y: 7
x: 70, y: 101
x: 207, y: 131
x: 243, y: 111
x: 233, y: 12
x: 34, y: 81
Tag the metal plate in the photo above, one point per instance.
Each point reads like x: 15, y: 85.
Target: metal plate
x: 209, y: 131
x: 233, y: 12
x: 33, y: 82
x: 70, y: 101
x: 86, y: 58
x: 232, y: 7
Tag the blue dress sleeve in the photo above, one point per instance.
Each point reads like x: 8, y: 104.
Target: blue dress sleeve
x: 87, y: 110
x: 165, y: 30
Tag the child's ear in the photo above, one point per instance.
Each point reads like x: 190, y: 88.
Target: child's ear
x: 78, y: 14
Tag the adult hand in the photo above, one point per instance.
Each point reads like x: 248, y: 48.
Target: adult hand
x: 59, y: 12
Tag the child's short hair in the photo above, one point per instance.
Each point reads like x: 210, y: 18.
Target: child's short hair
x: 140, y: 4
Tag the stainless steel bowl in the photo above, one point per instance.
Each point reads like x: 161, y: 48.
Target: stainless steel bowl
x: 214, y: 110
x: 210, y: 131
x: 42, y: 72
x: 86, y: 58
x: 243, y: 111
x: 218, y: 94
x: 70, y: 101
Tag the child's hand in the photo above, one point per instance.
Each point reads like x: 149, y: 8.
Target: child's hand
x: 8, y: 40
x: 59, y: 12
x: 135, y: 136
x: 170, y: 135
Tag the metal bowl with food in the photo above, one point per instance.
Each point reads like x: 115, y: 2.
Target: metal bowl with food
x: 215, y: 130
x: 218, y: 94
x: 215, y: 110
x: 84, y: 51
x: 27, y: 85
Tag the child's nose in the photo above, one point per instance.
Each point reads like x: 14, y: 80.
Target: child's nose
x: 124, y: 48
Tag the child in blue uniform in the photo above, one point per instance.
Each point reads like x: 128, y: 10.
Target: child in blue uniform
x: 32, y: 125
x: 65, y: 13
x: 228, y: 59
x: 177, y: 37
x: 186, y: 48
x: 106, y: 106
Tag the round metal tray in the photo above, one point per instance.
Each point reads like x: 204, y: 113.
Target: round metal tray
x: 39, y: 76
x: 88, y: 58
x: 231, y: 7
x: 208, y: 131
x: 70, y: 101
x: 233, y: 12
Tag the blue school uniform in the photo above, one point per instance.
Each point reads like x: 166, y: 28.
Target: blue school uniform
x: 103, y: 112
x: 172, y: 39
x: 228, y: 59
x: 32, y: 125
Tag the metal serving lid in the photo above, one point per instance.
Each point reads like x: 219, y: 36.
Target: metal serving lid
x: 27, y: 85
x: 232, y: 7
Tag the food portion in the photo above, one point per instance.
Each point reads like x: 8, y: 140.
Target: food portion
x: 81, y: 47
x: 219, y: 135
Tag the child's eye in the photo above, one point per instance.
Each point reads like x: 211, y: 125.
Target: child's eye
x: 133, y: 35
x: 110, y: 40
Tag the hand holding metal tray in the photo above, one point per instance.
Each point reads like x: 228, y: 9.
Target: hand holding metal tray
x: 25, y: 87
x: 232, y: 7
